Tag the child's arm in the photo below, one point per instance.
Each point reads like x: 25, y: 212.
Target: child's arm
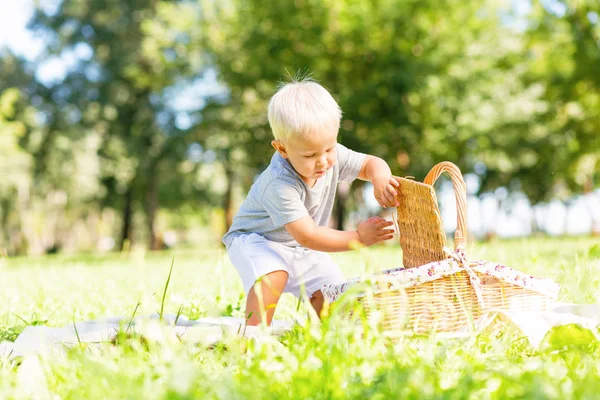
x: 375, y: 170
x: 321, y: 238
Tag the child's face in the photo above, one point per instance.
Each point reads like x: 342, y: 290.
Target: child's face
x: 312, y: 157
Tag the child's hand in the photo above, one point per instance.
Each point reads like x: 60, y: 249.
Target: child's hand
x: 385, y: 191
x: 374, y: 231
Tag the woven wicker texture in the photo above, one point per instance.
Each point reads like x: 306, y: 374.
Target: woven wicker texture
x: 421, y: 231
x: 442, y: 305
x: 422, y: 237
x: 450, y: 303
x: 460, y: 192
x: 500, y: 295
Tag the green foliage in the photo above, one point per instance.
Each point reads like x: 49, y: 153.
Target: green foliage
x: 421, y: 82
x: 569, y: 336
x: 16, y: 163
x: 10, y: 333
x: 562, y: 47
x: 594, y: 252
x: 137, y: 52
x: 510, y: 89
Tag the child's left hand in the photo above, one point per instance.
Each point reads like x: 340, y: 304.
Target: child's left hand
x: 385, y: 191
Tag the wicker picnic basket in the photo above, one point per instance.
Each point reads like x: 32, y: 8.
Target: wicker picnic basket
x: 438, y: 290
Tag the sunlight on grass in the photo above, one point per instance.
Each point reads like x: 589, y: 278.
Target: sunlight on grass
x: 331, y: 360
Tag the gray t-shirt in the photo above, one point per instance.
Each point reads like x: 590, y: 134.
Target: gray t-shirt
x: 279, y: 196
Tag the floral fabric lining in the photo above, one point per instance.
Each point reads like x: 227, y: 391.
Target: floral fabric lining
x: 403, y: 278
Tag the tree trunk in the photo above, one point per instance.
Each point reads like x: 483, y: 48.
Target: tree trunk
x: 151, y: 207
x: 4, y: 228
x: 27, y: 237
x: 535, y: 226
x: 343, y: 194
x: 126, y: 234
x: 591, y: 206
x: 228, y: 199
x: 566, y: 219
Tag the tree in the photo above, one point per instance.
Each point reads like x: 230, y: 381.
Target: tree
x: 15, y: 167
x: 413, y: 78
x: 130, y: 54
x: 564, y: 45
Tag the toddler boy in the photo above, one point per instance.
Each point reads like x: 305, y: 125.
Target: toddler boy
x: 279, y: 239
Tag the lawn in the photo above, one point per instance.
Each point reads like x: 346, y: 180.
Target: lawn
x: 327, y: 361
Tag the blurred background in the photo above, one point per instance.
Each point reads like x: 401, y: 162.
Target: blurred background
x: 142, y: 123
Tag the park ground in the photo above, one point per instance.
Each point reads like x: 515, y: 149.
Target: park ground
x: 327, y: 361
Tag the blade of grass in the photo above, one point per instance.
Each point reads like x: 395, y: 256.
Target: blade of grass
x: 76, y: 331
x: 181, y: 307
x: 162, y: 303
x: 139, y: 303
x: 245, y: 324
x: 27, y: 322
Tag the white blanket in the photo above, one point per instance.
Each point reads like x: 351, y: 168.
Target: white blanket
x: 535, y: 326
x: 205, y: 330
x: 538, y: 326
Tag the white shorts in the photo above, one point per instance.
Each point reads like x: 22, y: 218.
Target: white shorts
x: 254, y: 256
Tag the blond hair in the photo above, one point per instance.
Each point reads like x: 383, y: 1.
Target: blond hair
x: 303, y: 108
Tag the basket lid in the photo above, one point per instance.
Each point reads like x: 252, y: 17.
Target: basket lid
x: 420, y: 226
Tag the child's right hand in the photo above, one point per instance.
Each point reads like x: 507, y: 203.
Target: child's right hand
x: 374, y: 230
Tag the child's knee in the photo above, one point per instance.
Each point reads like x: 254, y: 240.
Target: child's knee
x: 271, y: 285
x: 317, y: 301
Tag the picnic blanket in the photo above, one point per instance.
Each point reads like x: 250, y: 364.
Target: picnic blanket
x: 535, y: 326
x: 207, y: 331
x: 540, y: 328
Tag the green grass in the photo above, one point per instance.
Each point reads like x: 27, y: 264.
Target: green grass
x: 322, y: 362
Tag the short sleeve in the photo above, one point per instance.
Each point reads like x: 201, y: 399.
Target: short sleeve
x: 283, y: 203
x: 350, y: 163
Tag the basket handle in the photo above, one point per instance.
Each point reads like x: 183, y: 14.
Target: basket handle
x: 460, y: 191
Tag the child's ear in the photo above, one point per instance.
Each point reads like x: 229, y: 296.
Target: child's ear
x: 280, y: 147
